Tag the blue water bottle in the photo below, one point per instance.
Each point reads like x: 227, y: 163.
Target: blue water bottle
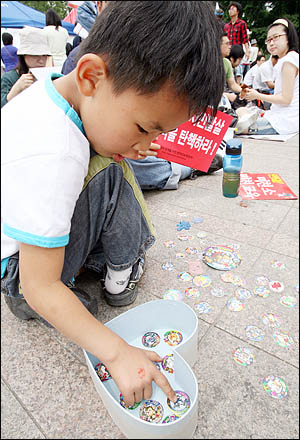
x: 232, y: 165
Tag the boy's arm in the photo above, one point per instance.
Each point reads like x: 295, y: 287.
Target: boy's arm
x: 132, y: 369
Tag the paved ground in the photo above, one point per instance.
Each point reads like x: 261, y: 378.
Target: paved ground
x: 46, y: 388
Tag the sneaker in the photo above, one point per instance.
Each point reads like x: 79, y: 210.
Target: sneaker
x: 216, y: 165
x: 20, y: 308
x: 129, y: 294
x: 245, y: 121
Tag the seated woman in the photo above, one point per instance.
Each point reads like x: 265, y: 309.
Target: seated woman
x: 283, y: 117
x: 33, y: 52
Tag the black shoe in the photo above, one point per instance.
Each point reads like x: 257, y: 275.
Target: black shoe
x: 20, y: 308
x: 216, y: 165
x: 129, y: 294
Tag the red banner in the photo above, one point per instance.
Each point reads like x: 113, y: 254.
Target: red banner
x: 268, y: 186
x: 194, y: 144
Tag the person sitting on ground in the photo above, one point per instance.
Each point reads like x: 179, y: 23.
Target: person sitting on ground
x: 57, y: 37
x: 8, y: 52
x: 283, y: 117
x: 230, y: 83
x: 250, y: 77
x: 70, y: 200
x: 265, y: 74
x: 33, y: 52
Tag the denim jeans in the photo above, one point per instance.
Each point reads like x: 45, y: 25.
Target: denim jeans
x: 263, y: 126
x: 110, y: 225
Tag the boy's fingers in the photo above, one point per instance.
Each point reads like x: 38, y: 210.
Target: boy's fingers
x: 163, y: 383
x: 153, y: 356
x: 155, y: 146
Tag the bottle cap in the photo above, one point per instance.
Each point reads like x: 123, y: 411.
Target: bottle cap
x: 234, y: 147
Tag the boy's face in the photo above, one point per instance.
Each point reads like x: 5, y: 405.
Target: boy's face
x: 236, y: 62
x: 225, y: 47
x: 120, y: 126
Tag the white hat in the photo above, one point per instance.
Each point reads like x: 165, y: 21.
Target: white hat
x: 33, y: 41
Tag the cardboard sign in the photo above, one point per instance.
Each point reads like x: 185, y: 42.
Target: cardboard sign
x: 194, y: 144
x: 268, y: 186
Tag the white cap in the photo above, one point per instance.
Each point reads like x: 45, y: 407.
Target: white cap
x: 33, y: 41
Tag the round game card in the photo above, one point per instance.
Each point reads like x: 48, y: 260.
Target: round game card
x: 151, y: 339
x: 275, y: 387
x: 151, y: 411
x: 173, y: 337
x: 102, y: 372
x: 221, y: 257
x: 170, y: 419
x: 182, y: 403
x: 135, y: 405
x: 168, y: 363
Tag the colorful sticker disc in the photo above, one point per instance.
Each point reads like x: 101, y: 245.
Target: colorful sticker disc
x: 202, y: 280
x: 235, y: 305
x: 197, y: 220
x: 276, y: 286
x: 135, y: 405
x: 173, y: 337
x: 283, y: 339
x: 168, y: 363
x: 243, y: 356
x: 168, y: 266
x: 236, y: 280
x: 275, y: 387
x: 254, y: 333
x: 170, y: 419
x: 218, y: 292
x: 261, y: 280
x: 191, y: 292
x: 201, y: 234
x: 151, y: 339
x: 102, y: 372
x: 288, y: 301
x: 221, y: 258
x: 226, y: 277
x: 169, y: 244
x: 182, y: 403
x: 262, y: 291
x: 243, y: 294
x: 271, y: 320
x: 184, y: 276
x: 202, y: 307
x: 278, y: 265
x: 191, y: 251
x: 151, y: 411
x: 184, y: 237
x: 173, y: 294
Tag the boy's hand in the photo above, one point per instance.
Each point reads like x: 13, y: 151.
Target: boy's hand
x: 150, y: 152
x: 133, y: 371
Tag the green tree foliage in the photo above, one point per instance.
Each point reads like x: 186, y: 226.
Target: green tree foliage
x: 60, y: 7
x: 258, y: 15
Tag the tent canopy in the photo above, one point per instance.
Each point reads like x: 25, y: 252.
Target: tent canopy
x: 17, y: 15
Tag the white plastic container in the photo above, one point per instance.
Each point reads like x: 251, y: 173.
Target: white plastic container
x: 157, y: 316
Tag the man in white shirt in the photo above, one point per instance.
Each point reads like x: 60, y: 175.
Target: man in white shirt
x: 251, y: 77
x: 265, y: 73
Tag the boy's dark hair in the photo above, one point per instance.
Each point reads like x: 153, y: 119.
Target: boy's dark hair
x: 52, y: 19
x: 144, y: 44
x: 292, y: 35
x: 236, y: 52
x: 7, y: 38
x: 238, y: 6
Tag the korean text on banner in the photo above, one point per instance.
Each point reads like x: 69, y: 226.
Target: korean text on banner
x: 194, y: 144
x: 267, y: 186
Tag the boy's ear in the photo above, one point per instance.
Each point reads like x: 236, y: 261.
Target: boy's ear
x: 90, y: 70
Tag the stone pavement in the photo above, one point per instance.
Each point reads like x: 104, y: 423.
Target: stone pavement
x: 46, y: 388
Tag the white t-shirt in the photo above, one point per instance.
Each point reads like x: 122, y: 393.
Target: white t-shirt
x: 45, y: 158
x: 57, y: 40
x: 285, y: 118
x: 266, y: 71
x: 250, y: 75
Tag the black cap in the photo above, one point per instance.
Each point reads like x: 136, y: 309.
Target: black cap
x: 234, y: 147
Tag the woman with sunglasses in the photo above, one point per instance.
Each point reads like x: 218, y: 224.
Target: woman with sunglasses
x: 283, y: 117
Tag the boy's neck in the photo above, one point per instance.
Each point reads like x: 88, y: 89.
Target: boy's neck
x: 66, y: 87
x: 234, y: 19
